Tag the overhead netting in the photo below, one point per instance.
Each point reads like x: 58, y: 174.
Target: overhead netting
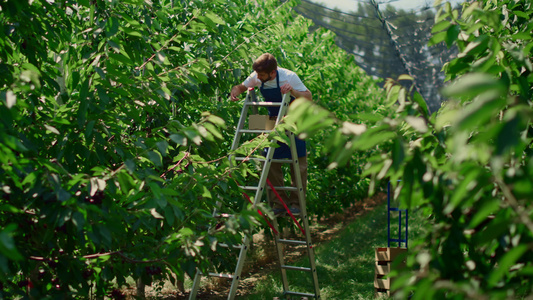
x: 388, y: 41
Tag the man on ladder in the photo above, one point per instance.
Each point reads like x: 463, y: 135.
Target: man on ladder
x: 275, y: 81
x: 277, y: 85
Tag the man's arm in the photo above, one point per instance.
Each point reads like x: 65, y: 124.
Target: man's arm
x: 296, y: 94
x: 236, y: 91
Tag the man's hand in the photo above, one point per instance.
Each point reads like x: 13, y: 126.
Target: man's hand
x: 286, y: 88
x: 236, y: 91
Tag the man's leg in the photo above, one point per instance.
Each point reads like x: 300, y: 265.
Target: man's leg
x: 293, y: 200
x: 275, y: 176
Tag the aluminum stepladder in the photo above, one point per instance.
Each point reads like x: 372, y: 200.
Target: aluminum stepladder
x: 260, y: 190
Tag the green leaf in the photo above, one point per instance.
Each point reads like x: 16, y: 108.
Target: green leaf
x: 178, y: 139
x: 493, y: 231
x: 521, y: 36
x: 84, y: 3
x: 13, y: 143
x: 437, y: 38
x: 199, y: 75
x: 163, y: 147
x: 207, y: 22
x: 155, y: 157
x: 169, y: 215
x: 237, y: 73
x: 479, y: 45
x: 130, y: 165
x: 111, y: 27
x: 213, y: 130
x: 89, y: 129
x: 470, y: 9
x: 193, y: 136
x: 486, y: 208
x: 120, y: 58
x: 506, y: 262
x: 509, y: 136
x: 521, y: 14
x: 466, y: 184
x: 451, y: 34
x: 78, y: 220
x: 372, y: 117
x: 126, y: 182
x: 52, y: 129
x: 136, y: 2
x: 216, y: 120
x: 471, y: 85
x: 132, y: 32
x: 10, y: 208
x: 372, y: 138
x: 7, y: 243
x: 479, y: 112
x: 421, y: 103
x: 393, y: 94
x: 442, y: 25
x: 215, y: 18
x: 104, y: 232
x: 405, y: 77
x: 62, y: 195
x: 206, y: 193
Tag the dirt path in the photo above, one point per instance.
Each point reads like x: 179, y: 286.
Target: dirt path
x: 262, y: 258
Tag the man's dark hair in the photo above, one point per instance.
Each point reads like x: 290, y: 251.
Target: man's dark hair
x: 265, y: 63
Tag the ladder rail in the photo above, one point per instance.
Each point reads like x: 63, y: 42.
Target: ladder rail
x: 250, y: 97
x: 238, y: 268
x: 305, y: 220
x: 303, y: 212
x: 256, y: 200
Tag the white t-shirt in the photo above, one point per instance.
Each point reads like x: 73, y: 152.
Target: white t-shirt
x: 285, y: 76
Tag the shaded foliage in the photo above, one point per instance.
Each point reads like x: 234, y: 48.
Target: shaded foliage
x: 469, y: 164
x: 115, y: 127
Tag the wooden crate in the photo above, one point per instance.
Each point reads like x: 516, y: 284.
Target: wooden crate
x: 384, y: 265
x: 382, y: 292
x: 382, y: 282
x: 260, y: 122
x: 388, y: 254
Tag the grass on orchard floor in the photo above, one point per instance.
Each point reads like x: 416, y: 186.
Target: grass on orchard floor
x: 345, y: 265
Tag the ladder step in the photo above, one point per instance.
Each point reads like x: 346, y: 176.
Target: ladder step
x: 295, y: 242
x: 248, y: 187
x: 299, y: 294
x: 278, y: 188
x: 244, y: 158
x: 295, y: 268
x: 256, y: 131
x: 262, y: 103
x: 286, y: 188
x: 224, y: 245
x: 220, y: 275
x: 280, y: 160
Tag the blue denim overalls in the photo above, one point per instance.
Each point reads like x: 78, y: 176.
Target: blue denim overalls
x: 274, y: 95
